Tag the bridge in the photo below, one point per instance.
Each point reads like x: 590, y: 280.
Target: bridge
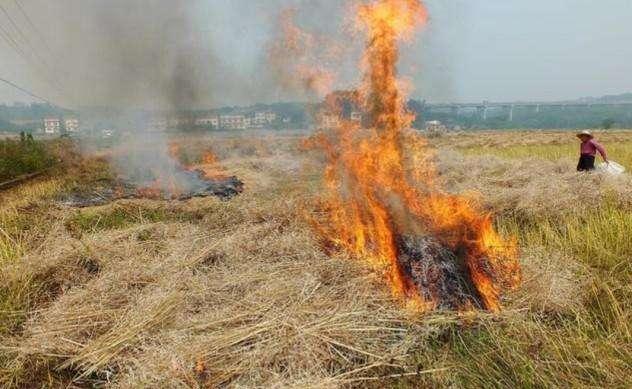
x: 484, y: 108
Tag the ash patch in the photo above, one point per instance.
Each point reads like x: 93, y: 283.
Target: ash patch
x: 438, y: 273
x: 224, y: 188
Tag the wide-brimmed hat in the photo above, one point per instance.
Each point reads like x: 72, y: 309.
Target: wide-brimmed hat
x: 585, y: 133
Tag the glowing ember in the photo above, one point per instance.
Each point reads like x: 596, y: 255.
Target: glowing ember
x: 374, y: 197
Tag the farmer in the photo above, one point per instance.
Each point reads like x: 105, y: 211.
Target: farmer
x: 589, y: 149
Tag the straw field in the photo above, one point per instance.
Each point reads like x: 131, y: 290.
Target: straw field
x: 209, y: 293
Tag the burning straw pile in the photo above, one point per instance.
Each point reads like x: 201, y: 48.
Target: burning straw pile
x: 151, y: 173
x: 379, y: 198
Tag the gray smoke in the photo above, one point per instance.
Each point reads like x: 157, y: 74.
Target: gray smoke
x: 145, y: 54
x: 165, y: 53
x: 124, y: 53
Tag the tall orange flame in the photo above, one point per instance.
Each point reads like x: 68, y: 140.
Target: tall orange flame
x: 373, y: 195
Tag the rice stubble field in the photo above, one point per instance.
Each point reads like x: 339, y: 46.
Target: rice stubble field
x: 240, y: 293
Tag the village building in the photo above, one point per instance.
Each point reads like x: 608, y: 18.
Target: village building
x: 179, y: 122
x: 159, y: 124
x: 435, y: 128
x: 263, y: 119
x: 232, y: 122
x: 356, y: 116
x: 329, y: 120
x: 71, y: 125
x: 271, y: 116
x: 248, y: 122
x: 52, y: 126
x: 209, y: 121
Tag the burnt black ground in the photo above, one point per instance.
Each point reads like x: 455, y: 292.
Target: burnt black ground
x: 438, y: 273
x: 224, y: 188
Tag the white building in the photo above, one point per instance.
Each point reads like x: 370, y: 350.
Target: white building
x: 52, y: 126
x: 356, y: 116
x: 232, y: 122
x: 270, y: 116
x: 435, y: 128
x: 158, y: 124
x: 330, y: 120
x: 211, y: 121
x: 248, y: 123
x: 262, y: 119
x: 72, y: 125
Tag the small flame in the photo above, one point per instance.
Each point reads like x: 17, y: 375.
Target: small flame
x: 210, y: 166
x: 372, y: 194
x: 173, y: 183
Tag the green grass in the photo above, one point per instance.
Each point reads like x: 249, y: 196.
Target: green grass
x: 21, y: 157
x: 600, y: 238
x: 589, y: 346
x: 117, y: 217
x: 574, y: 351
x: 619, y: 152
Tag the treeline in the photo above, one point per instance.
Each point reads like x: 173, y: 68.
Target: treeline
x: 12, y: 116
x: 300, y: 115
x: 304, y: 115
x: 35, y: 111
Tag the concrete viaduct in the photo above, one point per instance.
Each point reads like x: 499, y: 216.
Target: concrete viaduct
x: 482, y: 109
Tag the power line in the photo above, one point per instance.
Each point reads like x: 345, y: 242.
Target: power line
x: 10, y: 41
x: 34, y: 27
x: 25, y: 91
x: 15, y: 26
x: 47, y: 72
x: 24, y: 37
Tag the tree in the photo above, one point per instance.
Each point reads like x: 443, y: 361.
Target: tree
x: 607, y: 124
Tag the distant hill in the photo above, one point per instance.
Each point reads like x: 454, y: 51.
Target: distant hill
x: 7, y: 126
x: 608, y: 99
x: 20, y: 117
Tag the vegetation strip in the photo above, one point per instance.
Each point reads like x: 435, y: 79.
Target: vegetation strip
x: 21, y: 179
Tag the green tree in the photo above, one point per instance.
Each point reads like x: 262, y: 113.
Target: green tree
x: 607, y: 124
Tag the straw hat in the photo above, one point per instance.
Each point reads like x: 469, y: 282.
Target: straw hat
x: 585, y: 133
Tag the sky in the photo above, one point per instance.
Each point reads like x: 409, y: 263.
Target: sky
x: 154, y: 53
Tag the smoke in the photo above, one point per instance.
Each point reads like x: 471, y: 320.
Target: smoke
x: 175, y: 56
x: 159, y: 54
x: 147, y: 163
x: 151, y: 56
x: 141, y: 54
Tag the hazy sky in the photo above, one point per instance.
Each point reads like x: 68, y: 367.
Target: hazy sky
x: 472, y: 50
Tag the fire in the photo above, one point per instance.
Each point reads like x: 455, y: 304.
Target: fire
x: 374, y: 196
x: 161, y: 188
x: 175, y: 180
x: 208, y: 158
x: 210, y: 166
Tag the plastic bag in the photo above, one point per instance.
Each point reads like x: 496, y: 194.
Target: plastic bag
x: 611, y: 168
